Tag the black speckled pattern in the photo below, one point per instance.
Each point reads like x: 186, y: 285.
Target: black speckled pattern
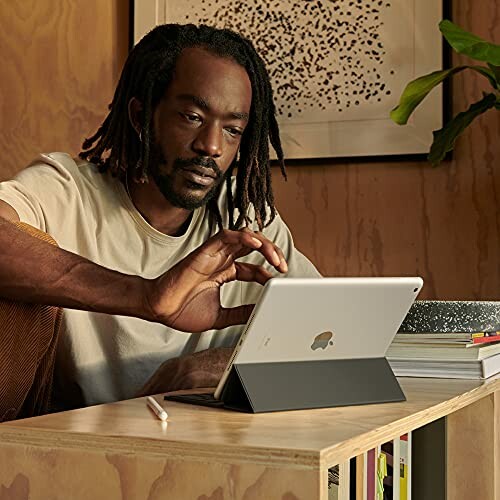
x: 335, y: 48
x: 442, y: 316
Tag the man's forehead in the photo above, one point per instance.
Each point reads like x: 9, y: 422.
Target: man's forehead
x: 201, y: 53
x: 201, y: 76
x: 199, y: 59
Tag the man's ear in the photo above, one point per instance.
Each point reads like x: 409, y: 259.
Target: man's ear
x: 135, y: 114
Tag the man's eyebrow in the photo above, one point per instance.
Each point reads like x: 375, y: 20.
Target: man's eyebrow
x: 200, y: 102
x: 240, y: 116
x: 196, y: 100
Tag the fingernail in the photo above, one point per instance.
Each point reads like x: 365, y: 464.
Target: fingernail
x: 285, y: 266
x: 276, y: 259
x: 257, y: 241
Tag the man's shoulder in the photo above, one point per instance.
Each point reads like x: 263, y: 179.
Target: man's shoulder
x: 64, y: 167
x: 62, y: 162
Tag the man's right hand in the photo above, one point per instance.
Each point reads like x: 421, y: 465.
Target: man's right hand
x: 187, y: 297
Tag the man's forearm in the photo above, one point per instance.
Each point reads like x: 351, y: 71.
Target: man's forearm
x: 34, y: 271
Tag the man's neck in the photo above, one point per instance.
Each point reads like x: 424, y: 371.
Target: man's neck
x: 157, y: 210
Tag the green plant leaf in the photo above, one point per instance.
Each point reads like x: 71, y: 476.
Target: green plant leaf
x: 444, y: 139
x: 416, y: 91
x: 488, y: 73
x: 470, y: 45
x: 496, y: 72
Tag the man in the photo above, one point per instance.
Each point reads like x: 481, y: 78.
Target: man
x: 150, y: 223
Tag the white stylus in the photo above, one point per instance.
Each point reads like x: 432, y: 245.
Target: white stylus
x: 157, y: 409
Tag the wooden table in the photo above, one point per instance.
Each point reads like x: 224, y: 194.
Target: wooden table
x: 122, y: 451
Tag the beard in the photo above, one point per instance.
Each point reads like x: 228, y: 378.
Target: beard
x: 189, y: 197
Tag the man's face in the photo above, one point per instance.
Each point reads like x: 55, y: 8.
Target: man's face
x: 198, y: 126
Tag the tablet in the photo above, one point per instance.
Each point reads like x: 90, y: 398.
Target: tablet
x: 314, y: 343
x: 313, y: 319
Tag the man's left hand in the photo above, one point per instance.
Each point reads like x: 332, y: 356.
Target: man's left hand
x: 201, y: 369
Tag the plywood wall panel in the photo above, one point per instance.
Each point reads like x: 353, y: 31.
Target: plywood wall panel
x: 61, y: 61
x: 406, y: 218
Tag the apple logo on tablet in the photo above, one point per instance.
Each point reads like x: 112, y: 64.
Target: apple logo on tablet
x: 322, y: 340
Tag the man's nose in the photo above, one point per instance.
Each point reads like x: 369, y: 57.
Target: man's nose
x: 208, y: 142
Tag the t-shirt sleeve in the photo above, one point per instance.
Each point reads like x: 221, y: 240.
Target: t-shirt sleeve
x: 41, y: 193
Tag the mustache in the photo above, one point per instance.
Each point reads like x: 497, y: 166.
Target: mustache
x: 200, y: 161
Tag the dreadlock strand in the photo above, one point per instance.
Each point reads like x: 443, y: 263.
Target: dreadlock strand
x: 229, y: 191
x: 143, y: 161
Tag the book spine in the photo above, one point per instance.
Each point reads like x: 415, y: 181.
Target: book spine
x: 395, y: 473
x: 404, y: 482
x: 408, y: 493
x: 485, y: 339
x: 381, y: 474
x: 370, y: 474
x: 365, y: 476
x: 360, y: 477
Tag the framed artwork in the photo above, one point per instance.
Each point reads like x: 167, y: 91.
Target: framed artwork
x: 337, y: 66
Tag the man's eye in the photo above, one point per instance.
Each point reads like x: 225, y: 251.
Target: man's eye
x: 191, y: 117
x: 234, y: 131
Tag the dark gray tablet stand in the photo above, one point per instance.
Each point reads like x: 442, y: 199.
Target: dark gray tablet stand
x: 266, y: 387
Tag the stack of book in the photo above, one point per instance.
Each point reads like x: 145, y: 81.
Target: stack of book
x: 451, y: 339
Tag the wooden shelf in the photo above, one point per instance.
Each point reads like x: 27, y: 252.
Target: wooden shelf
x: 296, y: 447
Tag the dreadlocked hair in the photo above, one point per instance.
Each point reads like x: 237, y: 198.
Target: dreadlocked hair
x: 117, y: 148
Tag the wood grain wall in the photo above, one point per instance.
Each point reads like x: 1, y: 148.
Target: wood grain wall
x: 61, y: 61
x: 389, y: 219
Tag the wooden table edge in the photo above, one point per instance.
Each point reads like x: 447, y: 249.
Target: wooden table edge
x: 345, y: 450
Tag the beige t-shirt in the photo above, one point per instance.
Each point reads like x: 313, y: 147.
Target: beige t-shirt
x: 103, y: 358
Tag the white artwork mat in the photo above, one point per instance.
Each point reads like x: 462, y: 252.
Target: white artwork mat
x: 337, y: 66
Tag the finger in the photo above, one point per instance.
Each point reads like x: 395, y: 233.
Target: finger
x: 240, y: 243
x: 244, y: 237
x: 283, y: 267
x: 217, y: 253
x: 233, y: 316
x: 252, y: 272
x: 235, y: 243
x: 271, y: 252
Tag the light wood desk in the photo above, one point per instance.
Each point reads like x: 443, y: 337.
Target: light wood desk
x: 122, y: 451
